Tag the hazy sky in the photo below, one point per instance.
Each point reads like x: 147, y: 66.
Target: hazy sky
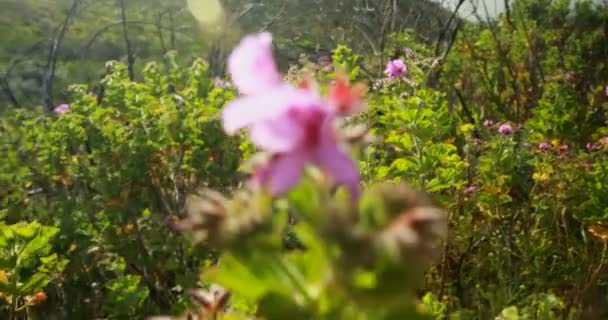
x: 494, y: 7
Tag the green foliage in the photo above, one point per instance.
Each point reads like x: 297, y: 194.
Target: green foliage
x: 110, y: 172
x: 87, y: 198
x: 27, y: 262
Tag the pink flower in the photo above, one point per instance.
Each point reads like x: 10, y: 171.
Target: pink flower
x: 606, y: 91
x: 544, y: 146
x: 395, y: 69
x: 295, y: 125
x: 564, y: 148
x: 604, y: 141
x: 470, y: 190
x: 62, y: 108
x: 488, y: 123
x: 591, y: 147
x: 505, y: 129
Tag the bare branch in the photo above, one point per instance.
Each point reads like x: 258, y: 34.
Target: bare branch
x: 47, y: 81
x: 125, y: 34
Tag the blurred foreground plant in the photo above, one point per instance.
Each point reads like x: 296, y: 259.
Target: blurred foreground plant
x: 363, y: 256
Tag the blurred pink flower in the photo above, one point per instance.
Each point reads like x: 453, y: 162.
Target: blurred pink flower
x: 564, y: 148
x: 544, y: 146
x: 295, y: 125
x: 591, y: 147
x: 488, y: 123
x: 606, y: 91
x: 505, y: 129
x: 470, y: 190
x: 62, y: 108
x: 604, y: 140
x: 395, y: 69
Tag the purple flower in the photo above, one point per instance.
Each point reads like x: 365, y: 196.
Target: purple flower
x: 62, y: 108
x: 488, y: 123
x: 544, y: 146
x: 295, y: 125
x: 505, y: 129
x: 395, y: 69
x: 221, y: 83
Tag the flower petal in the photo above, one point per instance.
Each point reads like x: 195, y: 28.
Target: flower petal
x: 277, y: 135
x: 252, y: 65
x: 283, y: 172
x: 338, y: 165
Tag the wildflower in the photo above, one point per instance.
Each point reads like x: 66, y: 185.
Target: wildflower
x: 395, y: 69
x: 544, y: 146
x: 564, y: 148
x: 505, y: 129
x: 604, y: 141
x: 62, y: 108
x: 470, y: 190
x: 293, y: 124
x: 488, y: 123
x: 606, y: 91
x: 220, y: 83
x: 591, y: 147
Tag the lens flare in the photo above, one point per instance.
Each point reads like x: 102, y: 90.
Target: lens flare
x: 206, y: 11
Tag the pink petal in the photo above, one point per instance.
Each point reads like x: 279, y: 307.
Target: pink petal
x: 277, y: 135
x: 338, y: 165
x: 252, y: 66
x: 283, y: 172
x: 246, y: 111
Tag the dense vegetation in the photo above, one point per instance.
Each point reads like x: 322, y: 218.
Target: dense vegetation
x: 126, y: 193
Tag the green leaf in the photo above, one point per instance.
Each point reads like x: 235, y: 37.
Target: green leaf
x: 274, y: 306
x: 34, y: 284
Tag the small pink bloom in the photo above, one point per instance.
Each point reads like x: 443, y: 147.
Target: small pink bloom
x: 544, y: 146
x: 564, y: 148
x: 395, y: 69
x: 591, y: 147
x: 606, y: 91
x: 62, y: 108
x: 488, y: 123
x: 604, y: 141
x: 505, y: 129
x: 295, y: 124
x: 470, y: 190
